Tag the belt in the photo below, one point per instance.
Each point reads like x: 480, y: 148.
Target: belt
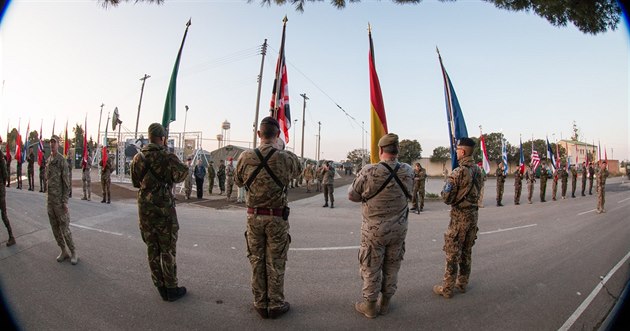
x: 266, y: 211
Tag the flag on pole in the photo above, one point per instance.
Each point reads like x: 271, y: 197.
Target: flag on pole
x: 84, y: 159
x: 605, y: 155
x: 577, y: 155
x: 568, y: 157
x: 104, y: 156
x: 18, y: 146
x: 378, y: 118
x: 279, y: 105
x: 504, y: 156
x: 455, y: 117
x: 26, y: 143
x: 7, y: 146
x: 557, y: 156
x: 484, y: 155
x: 521, y: 158
x: 599, y: 150
x: 551, y: 156
x: 66, y: 142
x: 170, y: 106
x: 40, y: 147
x: 535, y: 160
x: 53, y: 130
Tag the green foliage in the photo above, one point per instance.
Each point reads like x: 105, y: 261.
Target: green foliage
x: 409, y: 151
x: 356, y: 157
x: 441, y: 154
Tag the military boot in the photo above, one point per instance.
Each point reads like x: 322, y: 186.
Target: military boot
x: 279, y: 311
x: 383, y: 305
x: 103, y: 201
x: 175, y: 293
x: 163, y: 294
x: 440, y: 290
x: 264, y: 314
x: 367, y: 308
x: 332, y: 205
x: 325, y: 204
x: 11, y: 241
x: 74, y: 258
x: 63, y: 255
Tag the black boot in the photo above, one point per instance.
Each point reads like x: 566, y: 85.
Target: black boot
x: 332, y: 205
x: 175, y: 293
x: 277, y: 312
x: 163, y: 294
x: 325, y: 204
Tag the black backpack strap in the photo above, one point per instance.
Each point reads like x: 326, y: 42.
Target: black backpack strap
x: 263, y: 164
x: 392, y: 175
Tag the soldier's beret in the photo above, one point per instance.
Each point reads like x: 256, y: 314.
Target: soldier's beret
x: 466, y: 142
x: 388, y: 139
x: 55, y: 138
x: 157, y: 130
x: 270, y: 121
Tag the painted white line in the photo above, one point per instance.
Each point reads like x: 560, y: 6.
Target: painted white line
x: 626, y: 199
x: 567, y: 325
x: 95, y: 229
x: 324, y: 248
x: 586, y: 212
x: 508, y: 229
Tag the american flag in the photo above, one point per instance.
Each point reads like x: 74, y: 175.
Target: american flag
x: 535, y: 160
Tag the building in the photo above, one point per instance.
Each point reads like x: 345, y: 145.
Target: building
x: 578, y: 151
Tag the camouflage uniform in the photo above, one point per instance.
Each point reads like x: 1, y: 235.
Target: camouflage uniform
x: 554, y: 185
x: 591, y: 175
x: 106, y: 181
x: 8, y: 178
x: 461, y: 192
x: 221, y: 177
x: 601, y: 190
x: 229, y: 173
x: 267, y: 236
x: 154, y: 171
x: 564, y: 177
x: 42, y: 176
x: 18, y: 173
x: 543, y: 183
x: 530, y: 177
x: 308, y: 175
x: 70, y: 167
x: 211, y: 175
x: 328, y: 181
x: 419, y: 180
x: 188, y: 182
x: 384, y: 226
x: 574, y: 174
x: 30, y: 170
x: 584, y: 176
x: 86, y: 178
x: 3, y: 202
x: 319, y: 176
x: 483, y: 184
x: 518, y: 186
x: 500, y: 185
x: 58, y: 184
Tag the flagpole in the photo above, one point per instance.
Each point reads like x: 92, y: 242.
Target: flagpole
x: 263, y: 51
x: 274, y: 111
x: 170, y: 109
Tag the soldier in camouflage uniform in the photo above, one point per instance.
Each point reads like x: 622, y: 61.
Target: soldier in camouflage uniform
x: 500, y: 173
x: 188, y: 180
x: 86, y: 178
x: 544, y: 175
x: 106, y: 180
x: 484, y: 176
x: 30, y: 169
x: 221, y: 177
x: 419, y: 180
x: 518, y: 186
x: 554, y: 184
x: 328, y: 182
x: 309, y: 175
x: 591, y: 175
x: 42, y: 175
x: 584, y: 176
x: 58, y: 184
x: 564, y: 177
x: 574, y: 174
x: 155, y: 171
x: 8, y: 178
x: 229, y: 173
x: 4, y: 173
x: 211, y: 175
x: 601, y: 187
x: 70, y: 167
x: 383, y: 189
x: 461, y: 192
x: 267, y: 234
x: 18, y: 172
x: 530, y: 177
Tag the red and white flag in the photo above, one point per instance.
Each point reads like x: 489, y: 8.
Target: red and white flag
x: 280, y: 95
x: 484, y: 155
x: 535, y: 160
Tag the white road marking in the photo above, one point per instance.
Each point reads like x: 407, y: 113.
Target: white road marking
x: 586, y: 212
x: 508, y: 229
x: 95, y: 229
x: 324, y: 248
x: 626, y: 199
x: 567, y: 325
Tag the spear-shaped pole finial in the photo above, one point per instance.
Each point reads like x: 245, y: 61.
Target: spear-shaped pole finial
x: 285, y: 20
x: 189, y: 22
x: 369, y: 28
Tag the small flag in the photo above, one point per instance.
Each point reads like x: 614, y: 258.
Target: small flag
x: 551, y: 156
x: 504, y: 156
x: 170, y: 106
x: 84, y: 159
x: 104, y: 156
x: 521, y: 158
x: 279, y: 105
x: 26, y: 144
x: 484, y: 155
x: 535, y: 160
x: 378, y: 118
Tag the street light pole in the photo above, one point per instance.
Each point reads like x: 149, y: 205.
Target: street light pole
x: 184, y: 134
x: 143, y: 79
x: 303, y: 95
x: 294, y: 131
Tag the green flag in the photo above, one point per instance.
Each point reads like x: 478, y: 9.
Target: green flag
x: 170, y: 105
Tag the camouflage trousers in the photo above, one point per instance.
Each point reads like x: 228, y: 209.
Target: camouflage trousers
x: 3, y: 210
x: 230, y: 185
x: 159, y: 228
x: 329, y: 189
x: 530, y: 191
x: 480, y: 201
x: 573, y: 186
x: 87, y: 181
x: 60, y: 224
x: 222, y: 184
x: 590, y: 186
x: 105, y: 186
x: 42, y: 181
x: 601, y: 198
x: 458, y: 242
x: 564, y: 189
x: 188, y: 187
x: 583, y: 185
x: 500, y: 187
x: 554, y: 189
x: 210, y: 184
x: 543, y: 191
x: 380, y: 256
x: 308, y: 184
x: 30, y: 173
x: 518, y: 187
x: 268, y: 241
x: 418, y: 194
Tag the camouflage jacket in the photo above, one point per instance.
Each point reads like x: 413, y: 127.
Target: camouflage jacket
x: 500, y: 176
x: 4, y: 173
x: 263, y: 191
x: 328, y: 175
x: 419, y: 177
x: 221, y: 172
x: 107, y: 169
x: 58, y: 182
x: 30, y: 159
x: 518, y: 177
x: 591, y: 171
x: 87, y: 165
x: 211, y: 172
x: 229, y: 170
x: 463, y: 185
x: 391, y: 203
x: 574, y: 173
x: 309, y: 172
x: 544, y: 175
x: 154, y: 170
x: 601, y: 177
x: 563, y: 174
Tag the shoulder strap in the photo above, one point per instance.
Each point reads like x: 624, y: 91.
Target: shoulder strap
x: 392, y: 175
x: 263, y: 164
x: 473, y: 174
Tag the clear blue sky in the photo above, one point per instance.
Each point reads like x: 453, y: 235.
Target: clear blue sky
x: 512, y: 71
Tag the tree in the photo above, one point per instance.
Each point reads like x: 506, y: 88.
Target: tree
x: 78, y: 137
x: 357, y: 156
x: 576, y: 132
x: 589, y: 16
x: 409, y: 151
x: 441, y: 154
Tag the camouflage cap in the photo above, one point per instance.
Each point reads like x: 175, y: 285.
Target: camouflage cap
x: 157, y: 130
x: 270, y: 120
x: 55, y: 138
x: 388, y: 139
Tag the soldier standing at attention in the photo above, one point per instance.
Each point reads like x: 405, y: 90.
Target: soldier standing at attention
x: 70, y: 167
x: 4, y: 173
x: 30, y: 169
x: 484, y: 176
x: 58, y: 183
x: 383, y: 189
x: 188, y: 180
x: 328, y: 181
x: 221, y: 177
x: 18, y: 172
x: 308, y: 175
x: 574, y: 174
x: 86, y: 178
x: 564, y: 177
x: 106, y: 180
x: 601, y: 187
x: 265, y: 172
x: 530, y: 177
x: 461, y: 192
x: 518, y: 186
x: 544, y: 175
x: 42, y: 175
x: 211, y: 175
x: 419, y: 179
x: 8, y: 155
x: 229, y: 173
x: 200, y: 175
x: 554, y: 184
x: 500, y: 173
x: 584, y: 175
x: 154, y: 171
x: 591, y: 175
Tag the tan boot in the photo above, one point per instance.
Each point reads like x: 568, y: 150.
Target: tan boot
x: 439, y: 290
x: 63, y: 255
x: 367, y: 308
x: 74, y: 259
x: 383, y: 304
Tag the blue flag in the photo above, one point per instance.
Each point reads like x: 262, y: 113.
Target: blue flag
x: 455, y: 117
x: 504, y: 156
x: 550, y: 156
x: 521, y: 159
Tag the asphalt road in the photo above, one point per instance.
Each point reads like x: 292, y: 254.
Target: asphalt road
x: 534, y: 266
